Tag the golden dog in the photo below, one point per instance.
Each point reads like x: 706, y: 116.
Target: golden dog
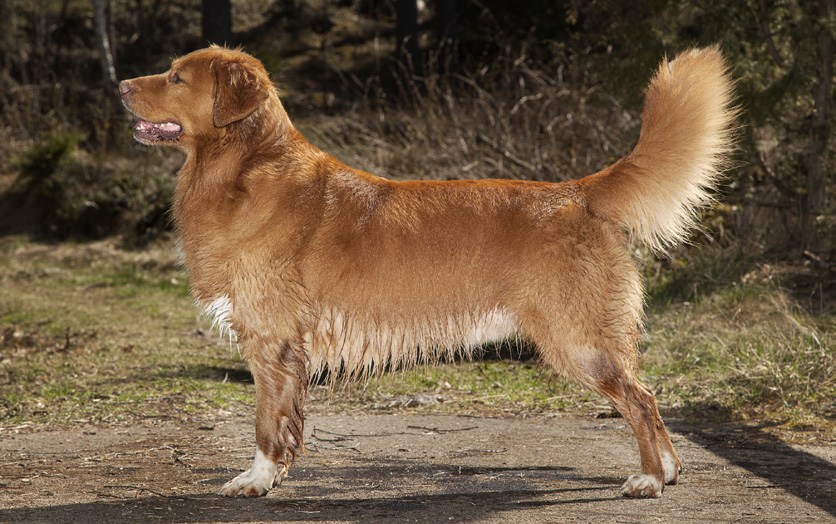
x: 310, y: 264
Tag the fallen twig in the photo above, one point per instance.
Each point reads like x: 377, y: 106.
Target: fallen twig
x: 140, y: 488
x: 442, y: 431
x: 482, y: 451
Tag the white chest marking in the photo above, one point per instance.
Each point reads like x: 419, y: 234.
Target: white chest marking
x: 220, y: 311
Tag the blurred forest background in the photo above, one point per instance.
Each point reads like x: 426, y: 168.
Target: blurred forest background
x: 534, y: 89
x: 742, y: 320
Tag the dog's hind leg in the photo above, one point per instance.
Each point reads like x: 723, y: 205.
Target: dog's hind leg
x: 591, y: 338
x: 281, y: 386
x: 637, y: 405
x: 611, y: 373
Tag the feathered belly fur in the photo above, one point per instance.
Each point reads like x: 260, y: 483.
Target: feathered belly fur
x: 354, y: 345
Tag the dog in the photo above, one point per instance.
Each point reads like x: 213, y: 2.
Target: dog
x: 310, y: 265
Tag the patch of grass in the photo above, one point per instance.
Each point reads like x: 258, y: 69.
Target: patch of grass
x: 697, y: 271
x: 496, y: 386
x: 744, y: 351
x: 133, y: 281
x: 104, y: 336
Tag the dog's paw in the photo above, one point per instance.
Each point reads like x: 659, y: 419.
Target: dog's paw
x: 256, y: 481
x: 672, y: 467
x: 642, y: 485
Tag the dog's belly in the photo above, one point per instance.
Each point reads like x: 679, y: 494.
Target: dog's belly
x: 360, y: 344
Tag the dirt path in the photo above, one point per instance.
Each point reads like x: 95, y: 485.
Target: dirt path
x: 409, y: 468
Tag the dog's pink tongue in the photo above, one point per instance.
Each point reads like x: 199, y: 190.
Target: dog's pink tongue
x: 162, y: 130
x: 168, y: 127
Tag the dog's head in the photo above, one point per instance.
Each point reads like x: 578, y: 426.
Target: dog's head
x: 202, y: 94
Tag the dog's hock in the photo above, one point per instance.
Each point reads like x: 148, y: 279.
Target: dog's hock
x: 256, y: 481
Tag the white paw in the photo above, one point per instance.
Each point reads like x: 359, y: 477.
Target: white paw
x: 642, y: 485
x: 672, y: 467
x: 256, y: 481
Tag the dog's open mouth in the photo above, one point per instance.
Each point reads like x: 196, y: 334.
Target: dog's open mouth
x: 154, y: 133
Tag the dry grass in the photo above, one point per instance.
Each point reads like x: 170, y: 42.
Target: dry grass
x: 506, y: 119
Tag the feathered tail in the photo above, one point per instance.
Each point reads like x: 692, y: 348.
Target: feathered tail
x: 657, y: 190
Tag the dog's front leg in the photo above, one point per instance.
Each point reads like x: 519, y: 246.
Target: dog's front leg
x: 281, y: 382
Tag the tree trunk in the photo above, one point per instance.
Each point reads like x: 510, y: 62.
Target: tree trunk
x: 102, y: 34
x: 111, y: 30
x: 815, y: 236
x: 217, y: 22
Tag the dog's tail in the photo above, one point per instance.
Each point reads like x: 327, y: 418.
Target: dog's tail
x: 656, y: 191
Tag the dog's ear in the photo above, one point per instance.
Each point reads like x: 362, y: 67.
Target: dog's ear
x: 238, y: 92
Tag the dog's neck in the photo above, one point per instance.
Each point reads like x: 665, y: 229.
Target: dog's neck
x: 216, y: 171
x: 216, y: 189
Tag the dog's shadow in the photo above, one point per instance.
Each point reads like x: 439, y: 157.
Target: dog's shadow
x: 363, y: 497
x: 385, y: 490
x: 803, y: 474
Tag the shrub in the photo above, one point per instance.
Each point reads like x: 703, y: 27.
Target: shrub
x: 70, y: 195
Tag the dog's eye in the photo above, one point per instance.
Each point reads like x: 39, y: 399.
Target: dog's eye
x: 175, y: 79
